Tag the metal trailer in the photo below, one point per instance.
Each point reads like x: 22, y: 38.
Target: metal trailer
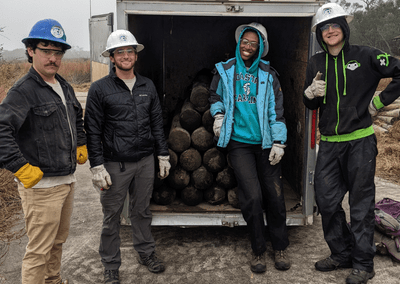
x: 182, y: 37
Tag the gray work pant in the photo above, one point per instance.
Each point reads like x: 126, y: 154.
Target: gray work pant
x: 136, y: 179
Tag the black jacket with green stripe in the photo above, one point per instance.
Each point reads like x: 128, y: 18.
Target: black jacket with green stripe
x: 351, y: 80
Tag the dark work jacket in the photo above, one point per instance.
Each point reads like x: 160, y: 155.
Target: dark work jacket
x: 123, y: 126
x: 34, y: 127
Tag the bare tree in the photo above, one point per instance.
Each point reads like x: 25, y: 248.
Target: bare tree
x: 1, y: 45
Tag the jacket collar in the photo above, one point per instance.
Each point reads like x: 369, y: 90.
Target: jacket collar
x: 139, y: 79
x: 36, y: 76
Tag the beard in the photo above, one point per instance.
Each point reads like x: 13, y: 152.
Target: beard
x: 122, y: 68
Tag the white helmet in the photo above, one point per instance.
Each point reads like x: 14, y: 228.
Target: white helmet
x: 121, y: 38
x: 329, y: 11
x: 259, y: 28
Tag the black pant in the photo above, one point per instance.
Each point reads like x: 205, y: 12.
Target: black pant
x: 341, y: 167
x: 260, y: 187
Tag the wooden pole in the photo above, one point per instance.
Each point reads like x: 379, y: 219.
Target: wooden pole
x: 226, y: 178
x: 202, y: 140
x: 189, y: 118
x: 179, y: 138
x: 201, y: 178
x: 199, y: 97
x: 215, y: 195
x: 190, y: 160
x: 214, y: 160
x: 191, y: 196
x: 208, y: 121
x: 178, y: 178
x: 387, y: 119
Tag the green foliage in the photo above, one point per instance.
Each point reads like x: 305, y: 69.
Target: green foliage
x: 376, y: 25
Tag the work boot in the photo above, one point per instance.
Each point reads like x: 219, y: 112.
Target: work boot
x: 282, y: 261
x: 328, y: 264
x: 153, y: 264
x: 358, y: 276
x: 111, y: 276
x: 258, y: 264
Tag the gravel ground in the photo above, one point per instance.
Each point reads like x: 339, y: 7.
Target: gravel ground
x: 193, y: 255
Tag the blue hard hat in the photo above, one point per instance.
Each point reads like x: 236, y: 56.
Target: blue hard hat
x: 48, y: 29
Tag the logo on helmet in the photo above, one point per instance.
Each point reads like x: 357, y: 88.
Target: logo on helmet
x: 57, y: 32
x: 123, y: 38
x: 326, y: 12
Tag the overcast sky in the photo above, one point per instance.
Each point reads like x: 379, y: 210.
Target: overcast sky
x: 17, y: 17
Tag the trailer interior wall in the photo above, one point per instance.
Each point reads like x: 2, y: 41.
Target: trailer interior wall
x: 177, y: 47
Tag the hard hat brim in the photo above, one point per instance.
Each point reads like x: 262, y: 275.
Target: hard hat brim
x: 67, y: 46
x: 139, y: 47
x: 349, y: 18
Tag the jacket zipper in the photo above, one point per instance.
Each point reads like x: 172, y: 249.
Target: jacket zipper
x: 338, y: 96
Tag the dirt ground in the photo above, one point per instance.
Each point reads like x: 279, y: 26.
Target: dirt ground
x: 192, y: 255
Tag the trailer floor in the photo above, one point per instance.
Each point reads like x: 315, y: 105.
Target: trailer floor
x: 291, y: 199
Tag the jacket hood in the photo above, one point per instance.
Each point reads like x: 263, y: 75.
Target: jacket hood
x: 256, y: 57
x: 345, y: 29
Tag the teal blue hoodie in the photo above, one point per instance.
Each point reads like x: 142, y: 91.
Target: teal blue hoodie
x: 246, y: 127
x: 269, y: 104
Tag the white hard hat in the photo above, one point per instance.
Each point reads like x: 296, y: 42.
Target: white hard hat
x: 259, y: 28
x: 121, y: 38
x: 329, y: 11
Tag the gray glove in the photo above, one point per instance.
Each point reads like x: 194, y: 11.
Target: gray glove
x: 101, y: 178
x: 317, y: 88
x: 163, y: 162
x: 372, y: 109
x: 218, y: 119
x: 276, y: 154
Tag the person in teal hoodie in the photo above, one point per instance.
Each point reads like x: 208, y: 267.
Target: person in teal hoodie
x: 341, y: 81
x: 247, y: 105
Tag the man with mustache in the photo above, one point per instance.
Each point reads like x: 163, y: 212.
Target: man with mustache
x: 42, y: 138
x: 124, y: 127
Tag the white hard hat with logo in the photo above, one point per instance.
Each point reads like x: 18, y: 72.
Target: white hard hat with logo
x: 259, y: 28
x: 329, y: 11
x: 121, y: 38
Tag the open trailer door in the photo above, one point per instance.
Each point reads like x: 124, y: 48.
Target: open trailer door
x: 184, y: 37
x: 100, y: 27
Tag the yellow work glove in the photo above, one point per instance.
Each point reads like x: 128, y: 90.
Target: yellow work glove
x: 29, y: 175
x: 81, y: 154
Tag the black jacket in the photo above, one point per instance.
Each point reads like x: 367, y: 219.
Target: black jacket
x: 34, y: 127
x: 122, y: 126
x: 351, y: 80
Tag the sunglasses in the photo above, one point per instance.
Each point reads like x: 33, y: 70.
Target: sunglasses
x: 333, y: 25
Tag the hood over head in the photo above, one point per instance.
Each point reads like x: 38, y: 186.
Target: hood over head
x: 256, y: 57
x: 344, y: 26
